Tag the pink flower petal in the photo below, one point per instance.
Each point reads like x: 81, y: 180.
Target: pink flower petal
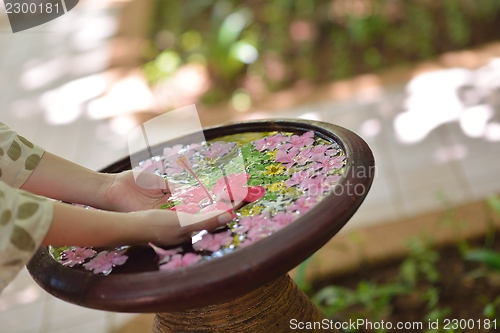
x: 76, y: 256
x: 190, y: 259
x: 178, y: 261
x: 191, y: 208
x: 284, y: 157
x: 249, y: 222
x: 213, y: 242
x: 260, y: 232
x: 255, y: 193
x: 217, y: 206
x: 171, y: 151
x: 232, y: 187
x: 104, y: 262
x: 164, y: 255
x: 282, y: 219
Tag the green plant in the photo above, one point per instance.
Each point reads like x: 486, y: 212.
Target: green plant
x: 492, y: 208
x: 420, y: 262
x: 491, y: 307
x: 274, y: 44
x: 418, y: 279
x: 374, y: 299
x: 451, y: 220
x: 300, y: 277
x: 488, y: 258
x: 486, y: 255
x: 437, y: 315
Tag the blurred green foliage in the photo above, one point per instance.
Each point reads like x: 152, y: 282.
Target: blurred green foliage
x: 253, y: 45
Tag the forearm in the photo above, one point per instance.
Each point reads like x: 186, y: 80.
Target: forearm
x: 87, y: 227
x: 60, y: 179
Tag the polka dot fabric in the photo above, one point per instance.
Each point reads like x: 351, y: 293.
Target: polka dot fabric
x: 24, y: 218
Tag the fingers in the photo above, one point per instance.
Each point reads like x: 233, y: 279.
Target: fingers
x: 151, y: 181
x: 169, y: 227
x: 208, y: 221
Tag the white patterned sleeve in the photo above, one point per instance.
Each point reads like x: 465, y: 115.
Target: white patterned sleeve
x: 24, y: 218
x: 18, y: 157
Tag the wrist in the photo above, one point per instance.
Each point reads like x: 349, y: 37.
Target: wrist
x: 105, y: 200
x: 137, y: 230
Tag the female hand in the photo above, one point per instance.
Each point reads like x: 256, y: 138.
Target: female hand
x: 164, y: 228
x: 132, y: 191
x: 77, y: 226
x: 60, y: 179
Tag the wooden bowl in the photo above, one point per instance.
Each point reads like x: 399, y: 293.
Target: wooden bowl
x: 237, y: 273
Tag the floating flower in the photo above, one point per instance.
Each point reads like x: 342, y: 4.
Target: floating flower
x: 230, y: 188
x: 303, y: 157
x: 172, y: 153
x: 278, y: 186
x: 251, y: 222
x: 164, y: 255
x: 234, y: 188
x: 282, y: 219
x: 285, y: 157
x: 324, y: 150
x: 328, y: 163
x: 332, y: 179
x: 273, y: 170
x: 270, y: 142
x: 255, y: 193
x: 218, y: 149
x: 213, y: 242
x: 297, y: 178
x: 191, y: 194
x: 151, y: 165
x: 303, y: 140
x: 218, y: 206
x: 190, y: 208
x: 105, y: 261
x: 173, y: 169
x: 272, y: 154
x: 251, y: 210
x: 76, y: 256
x: 261, y: 232
x: 315, y: 186
x: 303, y: 204
x: 279, y: 204
x: 178, y: 261
x: 294, y: 157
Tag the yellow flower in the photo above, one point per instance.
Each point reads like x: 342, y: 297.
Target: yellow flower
x: 279, y: 186
x: 250, y: 210
x: 272, y: 154
x: 274, y: 169
x: 293, y: 192
x: 245, y: 211
x: 255, y: 210
x: 236, y: 240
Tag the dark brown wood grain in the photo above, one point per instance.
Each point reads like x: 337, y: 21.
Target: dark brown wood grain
x: 233, y: 275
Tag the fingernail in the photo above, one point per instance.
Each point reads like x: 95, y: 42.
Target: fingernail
x: 224, y: 218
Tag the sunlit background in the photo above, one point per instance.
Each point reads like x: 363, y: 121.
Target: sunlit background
x: 419, y: 81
